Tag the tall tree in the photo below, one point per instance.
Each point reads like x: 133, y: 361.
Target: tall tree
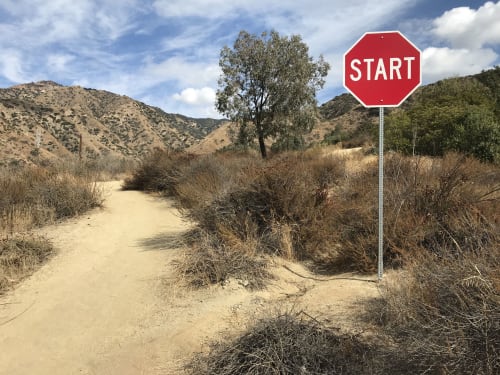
x: 268, y: 86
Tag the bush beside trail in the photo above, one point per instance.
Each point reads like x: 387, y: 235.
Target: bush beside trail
x: 19, y: 257
x: 441, y: 232
x: 288, y: 343
x: 434, y: 206
x: 158, y: 171
x: 34, y: 196
x: 306, y: 206
x: 444, y: 314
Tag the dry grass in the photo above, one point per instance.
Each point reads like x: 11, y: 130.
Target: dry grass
x: 102, y: 168
x: 35, y: 196
x: 288, y: 343
x: 430, y: 206
x: 158, y: 171
x: 210, y: 177
x: 306, y: 206
x: 278, y: 203
x: 32, y: 197
x: 444, y: 313
x: 20, y: 257
x: 208, y: 261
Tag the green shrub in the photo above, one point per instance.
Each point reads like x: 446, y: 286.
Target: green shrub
x: 452, y: 115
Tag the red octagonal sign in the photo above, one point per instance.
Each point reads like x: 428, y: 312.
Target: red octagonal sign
x: 382, y: 69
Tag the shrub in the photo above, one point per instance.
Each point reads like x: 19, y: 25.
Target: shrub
x: 444, y: 313
x: 431, y: 205
x: 288, y: 343
x: 456, y: 114
x: 212, y: 176
x: 209, y: 261
x: 34, y: 196
x: 278, y: 202
x: 158, y: 171
x: 66, y: 195
x: 19, y: 257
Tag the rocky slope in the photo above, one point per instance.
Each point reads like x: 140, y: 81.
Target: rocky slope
x: 46, y: 120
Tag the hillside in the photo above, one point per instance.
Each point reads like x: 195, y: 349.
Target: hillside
x: 55, y: 116
x: 344, y: 120
x: 342, y: 112
x: 47, y: 119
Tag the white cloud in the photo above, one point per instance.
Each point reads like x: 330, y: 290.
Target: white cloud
x: 469, y: 28
x: 175, y: 73
x: 465, y: 40
x: 322, y: 23
x: 199, y: 97
x: 194, y: 8
x: 181, y: 70
x: 196, y: 102
x: 12, y: 67
x: 59, y: 62
x: 39, y: 22
x: 438, y: 63
x: 171, y: 104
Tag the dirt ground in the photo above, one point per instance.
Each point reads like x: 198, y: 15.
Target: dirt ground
x: 110, y: 302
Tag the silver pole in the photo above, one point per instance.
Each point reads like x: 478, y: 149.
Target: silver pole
x: 381, y: 195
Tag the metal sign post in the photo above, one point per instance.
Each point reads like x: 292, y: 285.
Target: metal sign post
x: 381, y: 194
x: 381, y: 70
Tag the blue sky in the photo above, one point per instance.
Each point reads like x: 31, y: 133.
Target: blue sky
x: 165, y: 52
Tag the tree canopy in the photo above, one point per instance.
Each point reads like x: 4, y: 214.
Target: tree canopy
x: 268, y: 87
x: 456, y: 114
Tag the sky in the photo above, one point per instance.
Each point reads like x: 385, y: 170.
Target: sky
x: 165, y: 53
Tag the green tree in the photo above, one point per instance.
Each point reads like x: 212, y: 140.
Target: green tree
x: 456, y: 114
x: 268, y: 86
x: 399, y: 133
x: 481, y: 135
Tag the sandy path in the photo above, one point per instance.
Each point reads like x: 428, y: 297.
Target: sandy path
x: 76, y: 314
x: 109, y: 303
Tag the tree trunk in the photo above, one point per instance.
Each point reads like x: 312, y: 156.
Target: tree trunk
x: 262, y: 145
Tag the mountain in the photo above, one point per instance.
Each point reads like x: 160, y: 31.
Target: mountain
x: 344, y: 115
x: 46, y: 120
x: 55, y: 117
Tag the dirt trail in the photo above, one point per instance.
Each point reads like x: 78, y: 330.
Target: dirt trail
x: 109, y: 303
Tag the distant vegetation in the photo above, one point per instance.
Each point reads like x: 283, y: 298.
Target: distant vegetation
x: 457, y: 114
x: 453, y: 115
